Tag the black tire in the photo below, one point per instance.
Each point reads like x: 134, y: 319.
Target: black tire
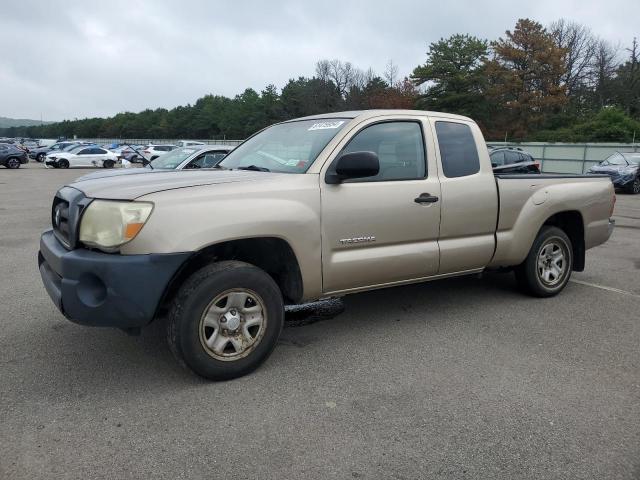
x: 108, y: 164
x: 63, y: 164
x: 634, y: 188
x: 185, y: 329
x: 12, y: 163
x: 530, y: 274
x: 40, y: 157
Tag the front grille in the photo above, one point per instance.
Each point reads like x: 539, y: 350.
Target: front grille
x: 66, y: 211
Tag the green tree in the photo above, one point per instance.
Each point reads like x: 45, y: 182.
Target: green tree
x: 524, y: 79
x: 454, y: 76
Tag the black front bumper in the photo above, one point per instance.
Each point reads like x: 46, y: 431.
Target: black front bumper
x: 105, y: 290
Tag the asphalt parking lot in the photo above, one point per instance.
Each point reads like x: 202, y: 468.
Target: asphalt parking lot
x: 462, y: 378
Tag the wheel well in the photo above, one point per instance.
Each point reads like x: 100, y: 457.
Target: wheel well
x: 273, y: 255
x: 572, y: 224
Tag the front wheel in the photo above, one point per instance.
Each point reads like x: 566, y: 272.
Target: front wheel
x: 63, y: 164
x: 40, y: 157
x: 635, y: 186
x: 225, y: 320
x: 547, y: 268
x: 13, y: 163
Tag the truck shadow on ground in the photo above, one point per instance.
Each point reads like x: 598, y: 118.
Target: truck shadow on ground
x: 105, y: 361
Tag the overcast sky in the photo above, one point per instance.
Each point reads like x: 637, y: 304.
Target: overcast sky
x: 68, y: 59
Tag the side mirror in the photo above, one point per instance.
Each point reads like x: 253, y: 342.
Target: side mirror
x: 353, y: 165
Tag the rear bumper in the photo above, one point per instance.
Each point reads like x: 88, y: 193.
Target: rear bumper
x: 105, y: 290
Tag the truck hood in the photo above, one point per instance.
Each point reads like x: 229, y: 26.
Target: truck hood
x: 115, y: 173
x: 129, y: 187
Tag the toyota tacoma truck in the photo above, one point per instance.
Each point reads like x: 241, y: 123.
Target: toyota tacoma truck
x: 316, y: 207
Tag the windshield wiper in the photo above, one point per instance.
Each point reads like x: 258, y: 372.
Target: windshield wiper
x: 254, y: 168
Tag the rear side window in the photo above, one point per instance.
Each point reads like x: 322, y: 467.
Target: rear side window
x: 458, y: 150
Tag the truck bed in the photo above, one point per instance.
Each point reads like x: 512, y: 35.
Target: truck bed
x: 528, y: 201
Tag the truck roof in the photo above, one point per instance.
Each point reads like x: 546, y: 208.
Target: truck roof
x: 362, y: 114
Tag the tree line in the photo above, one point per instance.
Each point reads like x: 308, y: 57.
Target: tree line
x: 554, y: 83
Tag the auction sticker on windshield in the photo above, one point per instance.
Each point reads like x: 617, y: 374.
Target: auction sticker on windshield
x: 326, y: 125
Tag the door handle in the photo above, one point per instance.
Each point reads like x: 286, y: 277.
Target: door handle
x: 426, y: 198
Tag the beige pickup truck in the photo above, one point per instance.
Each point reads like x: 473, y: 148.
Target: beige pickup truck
x: 315, y: 207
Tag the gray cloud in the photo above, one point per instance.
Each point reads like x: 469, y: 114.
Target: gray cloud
x: 83, y: 58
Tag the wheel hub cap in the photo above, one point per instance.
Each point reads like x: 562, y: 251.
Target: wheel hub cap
x: 230, y: 320
x: 233, y: 324
x: 552, y: 263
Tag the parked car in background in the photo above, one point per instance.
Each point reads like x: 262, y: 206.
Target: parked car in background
x: 624, y: 170
x: 132, y: 153
x: 189, y: 143
x: 512, y: 160
x: 82, y: 156
x: 11, y: 156
x: 188, y: 158
x: 40, y: 153
x: 151, y: 152
x: 46, y: 142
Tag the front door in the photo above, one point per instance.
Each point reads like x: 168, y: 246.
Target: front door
x: 84, y: 158
x: 380, y: 230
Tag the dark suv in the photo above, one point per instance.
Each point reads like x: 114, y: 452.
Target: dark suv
x: 12, y: 156
x: 512, y: 160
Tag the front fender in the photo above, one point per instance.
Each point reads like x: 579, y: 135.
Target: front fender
x: 191, y: 219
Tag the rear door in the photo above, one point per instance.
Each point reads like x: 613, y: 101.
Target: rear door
x: 469, y: 205
x: 374, y: 233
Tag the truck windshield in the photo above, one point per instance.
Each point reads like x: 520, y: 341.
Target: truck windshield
x: 286, y: 148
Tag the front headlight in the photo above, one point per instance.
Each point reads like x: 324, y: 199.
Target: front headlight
x: 108, y: 224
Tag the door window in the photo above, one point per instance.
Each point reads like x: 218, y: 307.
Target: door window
x: 400, y: 149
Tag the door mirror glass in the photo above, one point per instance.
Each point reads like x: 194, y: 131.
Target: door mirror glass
x: 354, y: 165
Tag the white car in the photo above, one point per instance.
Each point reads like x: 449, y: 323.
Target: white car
x: 85, y: 156
x: 151, y: 152
x: 189, y: 143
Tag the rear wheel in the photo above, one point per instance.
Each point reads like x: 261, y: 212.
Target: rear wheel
x: 225, y: 320
x: 108, y: 164
x: 635, y: 186
x: 547, y: 268
x: 13, y: 163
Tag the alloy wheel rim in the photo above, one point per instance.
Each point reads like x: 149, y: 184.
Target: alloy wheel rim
x: 552, y: 263
x: 13, y: 163
x: 233, y: 324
